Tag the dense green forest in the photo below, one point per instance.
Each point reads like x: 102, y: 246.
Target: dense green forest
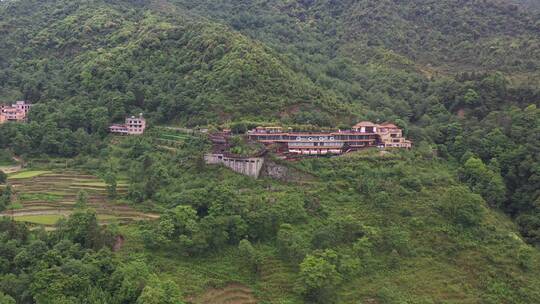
x: 74, y: 264
x: 456, y: 35
x: 446, y: 220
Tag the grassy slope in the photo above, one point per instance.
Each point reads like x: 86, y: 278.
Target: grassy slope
x: 48, y: 220
x: 27, y: 174
x: 442, y: 262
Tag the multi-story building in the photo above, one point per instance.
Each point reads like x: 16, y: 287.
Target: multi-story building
x: 363, y: 135
x: 16, y: 112
x: 392, y: 137
x: 132, y: 126
x: 22, y: 106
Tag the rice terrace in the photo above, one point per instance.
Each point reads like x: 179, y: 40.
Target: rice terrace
x: 42, y: 197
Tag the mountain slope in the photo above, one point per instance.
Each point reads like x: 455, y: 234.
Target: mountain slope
x: 392, y: 228
x: 471, y: 35
x: 298, y: 61
x: 132, y: 59
x: 419, y: 226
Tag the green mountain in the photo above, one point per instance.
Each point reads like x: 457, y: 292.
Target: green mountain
x: 454, y: 220
x: 140, y: 59
x: 297, y: 61
x: 446, y: 35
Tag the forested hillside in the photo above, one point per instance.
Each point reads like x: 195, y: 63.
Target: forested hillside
x: 455, y: 35
x: 126, y: 59
x: 457, y: 219
x: 88, y: 63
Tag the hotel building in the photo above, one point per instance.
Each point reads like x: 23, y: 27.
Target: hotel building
x: 363, y: 135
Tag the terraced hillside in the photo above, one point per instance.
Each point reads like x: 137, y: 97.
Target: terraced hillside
x: 170, y: 138
x: 43, y: 197
x: 231, y: 294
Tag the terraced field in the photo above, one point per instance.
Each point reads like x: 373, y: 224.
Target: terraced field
x: 169, y: 138
x: 233, y: 293
x: 276, y: 279
x: 43, y: 197
x: 274, y: 284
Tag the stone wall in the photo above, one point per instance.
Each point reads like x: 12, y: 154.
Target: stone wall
x: 250, y: 166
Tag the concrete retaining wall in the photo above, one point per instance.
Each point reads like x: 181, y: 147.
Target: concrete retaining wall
x: 250, y: 166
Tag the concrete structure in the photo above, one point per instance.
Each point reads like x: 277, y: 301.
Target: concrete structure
x: 250, y: 166
x: 363, y: 135
x: 132, y: 126
x: 392, y: 137
x: 365, y: 127
x: 16, y: 112
x: 22, y: 106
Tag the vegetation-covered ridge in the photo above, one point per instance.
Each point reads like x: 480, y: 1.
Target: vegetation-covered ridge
x: 74, y: 264
x: 455, y: 35
x: 119, y: 58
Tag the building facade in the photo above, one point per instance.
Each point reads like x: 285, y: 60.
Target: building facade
x: 392, y: 137
x: 363, y: 135
x: 17, y: 112
x: 134, y: 125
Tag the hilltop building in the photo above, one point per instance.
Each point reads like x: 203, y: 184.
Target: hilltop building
x: 132, y: 126
x: 16, y: 112
x: 391, y: 136
x: 363, y: 135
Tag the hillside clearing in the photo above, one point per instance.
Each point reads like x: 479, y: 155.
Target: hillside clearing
x: 43, y: 197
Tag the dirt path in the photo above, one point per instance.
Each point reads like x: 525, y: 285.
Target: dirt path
x: 65, y: 211
x: 13, y: 168
x: 118, y: 243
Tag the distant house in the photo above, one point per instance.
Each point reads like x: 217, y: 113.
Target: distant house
x: 16, y: 112
x: 132, y: 126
